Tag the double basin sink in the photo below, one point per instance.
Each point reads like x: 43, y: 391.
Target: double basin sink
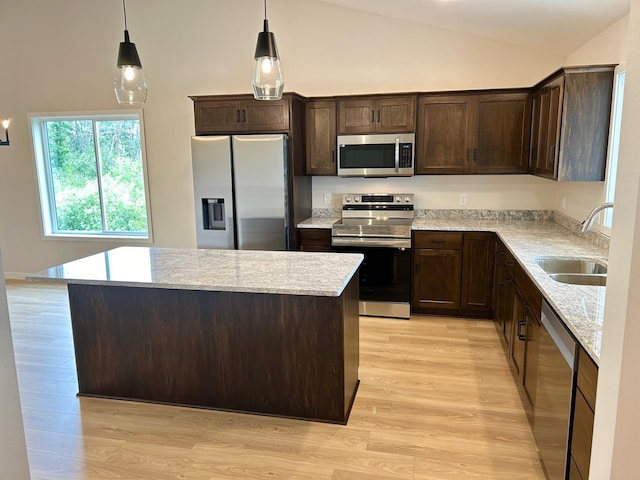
x: 576, y: 271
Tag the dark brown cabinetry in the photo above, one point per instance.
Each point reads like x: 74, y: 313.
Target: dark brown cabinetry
x: 450, y: 273
x: 503, y: 292
x: 233, y: 114
x: 315, y: 239
x: 383, y: 114
x: 477, y: 271
x: 321, y: 137
x: 437, y: 272
x: 470, y: 132
x: 570, y: 124
x: 583, y: 416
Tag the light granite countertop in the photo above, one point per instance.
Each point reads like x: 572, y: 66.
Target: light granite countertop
x: 580, y: 307
x: 290, y: 273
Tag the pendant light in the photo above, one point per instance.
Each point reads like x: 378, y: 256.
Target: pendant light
x: 129, y: 85
x: 268, y: 82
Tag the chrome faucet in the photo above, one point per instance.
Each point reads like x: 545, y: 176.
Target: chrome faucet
x: 588, y: 223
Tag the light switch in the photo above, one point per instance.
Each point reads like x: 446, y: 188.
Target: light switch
x: 463, y: 199
x: 326, y: 199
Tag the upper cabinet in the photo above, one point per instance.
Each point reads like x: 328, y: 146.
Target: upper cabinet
x: 376, y: 114
x: 321, y: 137
x: 241, y: 113
x: 485, y: 132
x: 570, y: 124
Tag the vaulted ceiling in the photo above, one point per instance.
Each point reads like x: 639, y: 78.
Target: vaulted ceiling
x: 562, y: 25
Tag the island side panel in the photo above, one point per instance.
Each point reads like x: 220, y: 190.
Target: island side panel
x: 350, y: 300
x: 271, y: 354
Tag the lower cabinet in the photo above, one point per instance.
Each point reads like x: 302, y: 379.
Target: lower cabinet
x: 453, y: 273
x: 315, y: 239
x: 583, y: 416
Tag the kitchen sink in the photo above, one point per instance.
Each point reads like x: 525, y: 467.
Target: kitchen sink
x: 580, y: 278
x: 577, y: 271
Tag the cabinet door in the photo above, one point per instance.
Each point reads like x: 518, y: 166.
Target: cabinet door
x: 217, y: 116
x: 396, y: 115
x: 356, y: 116
x: 519, y: 334
x: 556, y: 92
x: 582, y: 434
x: 260, y: 116
x: 502, y: 139
x: 548, y: 129
x: 531, y: 356
x: 477, y: 270
x: 444, y: 135
x: 321, y: 138
x: 437, y: 278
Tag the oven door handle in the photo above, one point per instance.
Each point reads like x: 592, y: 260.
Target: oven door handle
x: 397, y: 154
x: 370, y: 242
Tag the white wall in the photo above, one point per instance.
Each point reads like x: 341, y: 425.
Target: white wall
x: 13, y: 450
x: 491, y: 192
x: 62, y: 55
x: 576, y: 199
x: 615, y: 452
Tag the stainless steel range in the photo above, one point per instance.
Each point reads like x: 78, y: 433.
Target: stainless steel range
x: 379, y: 226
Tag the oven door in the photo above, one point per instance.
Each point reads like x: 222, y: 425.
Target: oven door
x: 385, y: 280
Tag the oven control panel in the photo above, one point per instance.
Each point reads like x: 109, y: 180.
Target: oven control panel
x: 378, y: 198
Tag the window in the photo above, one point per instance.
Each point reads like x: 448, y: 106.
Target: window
x: 614, y: 143
x: 91, y: 173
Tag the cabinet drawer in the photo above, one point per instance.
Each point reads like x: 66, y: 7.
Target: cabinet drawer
x: 582, y: 435
x: 587, y: 378
x: 529, y: 290
x: 315, y: 236
x: 439, y: 240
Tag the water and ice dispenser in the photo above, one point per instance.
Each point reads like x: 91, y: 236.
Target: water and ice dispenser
x: 213, y: 217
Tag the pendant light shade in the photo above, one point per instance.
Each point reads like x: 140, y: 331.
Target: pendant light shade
x: 130, y: 85
x: 268, y: 82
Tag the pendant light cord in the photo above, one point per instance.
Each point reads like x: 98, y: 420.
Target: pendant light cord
x: 124, y: 9
x: 265, y: 9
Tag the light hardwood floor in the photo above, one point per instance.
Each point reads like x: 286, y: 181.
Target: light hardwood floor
x: 436, y: 401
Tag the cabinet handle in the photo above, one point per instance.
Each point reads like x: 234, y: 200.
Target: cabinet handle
x: 373, y: 116
x: 468, y: 155
x: 437, y: 241
x: 333, y: 156
x: 521, y: 323
x: 237, y: 116
x: 378, y: 116
x: 244, y: 116
x: 552, y: 151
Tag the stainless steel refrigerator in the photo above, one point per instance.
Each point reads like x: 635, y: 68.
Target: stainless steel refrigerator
x: 240, y: 187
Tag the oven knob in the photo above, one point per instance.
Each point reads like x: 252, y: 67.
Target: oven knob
x: 407, y: 199
x: 357, y: 199
x: 348, y: 198
x: 398, y: 199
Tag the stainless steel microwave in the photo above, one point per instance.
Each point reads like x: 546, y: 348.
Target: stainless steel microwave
x: 384, y: 155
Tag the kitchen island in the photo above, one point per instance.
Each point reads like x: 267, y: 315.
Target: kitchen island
x: 273, y: 333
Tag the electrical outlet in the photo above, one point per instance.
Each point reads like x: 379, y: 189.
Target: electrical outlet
x: 463, y: 199
x: 326, y: 199
x: 564, y: 203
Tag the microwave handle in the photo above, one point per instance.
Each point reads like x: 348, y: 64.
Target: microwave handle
x: 397, y: 156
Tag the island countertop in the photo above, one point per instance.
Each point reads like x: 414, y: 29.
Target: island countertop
x: 244, y: 271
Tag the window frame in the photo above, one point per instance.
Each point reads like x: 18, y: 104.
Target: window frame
x: 614, y: 143
x: 43, y: 177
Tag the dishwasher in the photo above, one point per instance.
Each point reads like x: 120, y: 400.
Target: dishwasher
x: 554, y: 390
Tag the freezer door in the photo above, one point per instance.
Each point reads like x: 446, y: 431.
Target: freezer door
x: 260, y: 191
x: 211, y: 160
